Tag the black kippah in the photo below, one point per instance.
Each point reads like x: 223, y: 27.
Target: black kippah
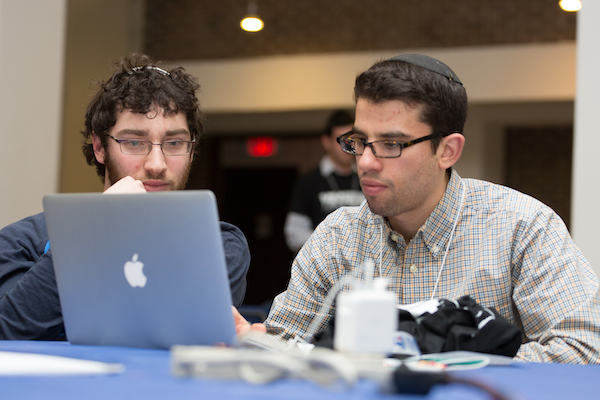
x: 429, y: 63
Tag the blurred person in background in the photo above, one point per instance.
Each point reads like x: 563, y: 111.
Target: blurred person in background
x: 324, y: 189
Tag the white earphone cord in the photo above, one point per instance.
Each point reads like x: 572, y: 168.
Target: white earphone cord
x: 458, y: 214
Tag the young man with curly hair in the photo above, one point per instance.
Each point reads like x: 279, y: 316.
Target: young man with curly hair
x: 141, y: 133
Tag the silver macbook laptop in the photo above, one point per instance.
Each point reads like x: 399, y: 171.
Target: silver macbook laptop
x: 140, y: 270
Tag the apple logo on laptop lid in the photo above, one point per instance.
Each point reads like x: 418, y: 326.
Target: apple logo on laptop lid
x: 133, y: 272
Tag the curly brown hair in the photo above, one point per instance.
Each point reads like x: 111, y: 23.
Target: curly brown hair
x: 138, y: 84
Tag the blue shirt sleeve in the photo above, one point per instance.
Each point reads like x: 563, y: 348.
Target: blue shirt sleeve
x: 29, y: 303
x: 237, y: 257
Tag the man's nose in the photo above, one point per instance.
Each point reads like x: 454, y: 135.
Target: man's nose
x: 155, y: 160
x: 367, y: 160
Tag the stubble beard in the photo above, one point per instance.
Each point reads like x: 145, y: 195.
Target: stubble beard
x: 383, y: 208
x: 393, y: 201
x: 115, y: 175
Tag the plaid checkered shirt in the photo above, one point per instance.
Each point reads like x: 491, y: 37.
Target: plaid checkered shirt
x: 508, y: 251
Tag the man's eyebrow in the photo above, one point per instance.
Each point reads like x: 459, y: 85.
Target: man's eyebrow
x: 394, y: 136
x: 177, y: 132
x: 384, y: 136
x: 133, y: 132
x: 144, y: 133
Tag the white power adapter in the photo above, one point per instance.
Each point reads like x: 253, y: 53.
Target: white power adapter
x: 366, y: 319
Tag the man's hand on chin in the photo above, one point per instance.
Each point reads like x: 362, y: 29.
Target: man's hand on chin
x: 126, y: 185
x: 242, y: 326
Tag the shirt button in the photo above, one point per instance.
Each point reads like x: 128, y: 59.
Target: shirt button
x: 394, y: 237
x: 413, y: 268
x: 435, y: 249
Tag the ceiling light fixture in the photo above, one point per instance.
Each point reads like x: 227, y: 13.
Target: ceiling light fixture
x: 251, y: 22
x: 570, y: 5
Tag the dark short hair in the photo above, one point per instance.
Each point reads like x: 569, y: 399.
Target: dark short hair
x: 443, y: 101
x: 137, y: 85
x: 338, y: 118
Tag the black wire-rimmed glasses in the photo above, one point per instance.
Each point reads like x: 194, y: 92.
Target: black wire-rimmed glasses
x: 144, y: 147
x: 380, y: 148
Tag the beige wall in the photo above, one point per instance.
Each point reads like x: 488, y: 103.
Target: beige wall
x: 586, y: 180
x: 99, y: 32
x: 31, y: 82
x: 536, y: 72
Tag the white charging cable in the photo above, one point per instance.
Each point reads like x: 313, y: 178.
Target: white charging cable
x: 326, y: 306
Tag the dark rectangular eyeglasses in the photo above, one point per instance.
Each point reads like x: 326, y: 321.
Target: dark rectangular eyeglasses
x: 380, y: 148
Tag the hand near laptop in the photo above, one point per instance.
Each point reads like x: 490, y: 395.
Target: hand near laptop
x: 126, y: 185
x: 242, y: 326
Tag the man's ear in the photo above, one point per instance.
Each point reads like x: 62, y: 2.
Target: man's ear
x: 450, y: 149
x: 98, y: 148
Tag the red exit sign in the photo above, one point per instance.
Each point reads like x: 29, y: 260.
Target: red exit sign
x: 262, y: 146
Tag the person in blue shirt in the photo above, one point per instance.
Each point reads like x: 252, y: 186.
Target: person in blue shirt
x: 141, y: 133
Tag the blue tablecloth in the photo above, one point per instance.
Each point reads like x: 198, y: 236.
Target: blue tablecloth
x: 148, y: 376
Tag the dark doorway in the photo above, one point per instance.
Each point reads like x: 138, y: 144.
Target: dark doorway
x: 539, y: 163
x: 256, y: 200
x: 254, y: 194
